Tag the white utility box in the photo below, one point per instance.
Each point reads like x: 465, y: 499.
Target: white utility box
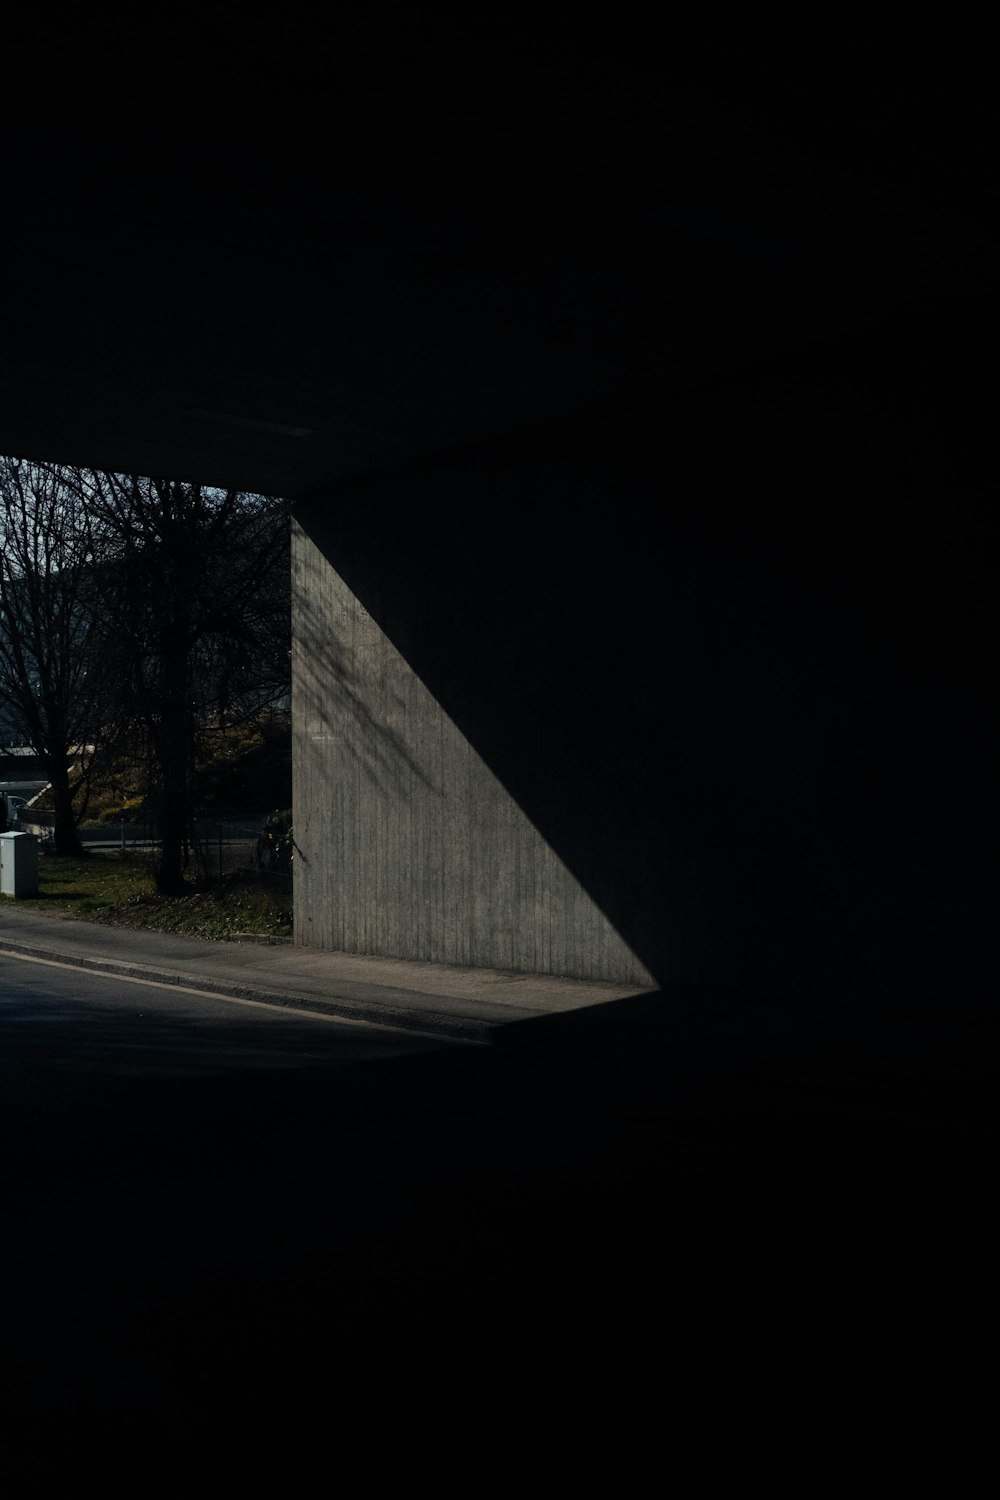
x: 18, y: 864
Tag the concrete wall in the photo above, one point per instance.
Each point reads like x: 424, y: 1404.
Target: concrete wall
x: 408, y: 844
x: 686, y: 691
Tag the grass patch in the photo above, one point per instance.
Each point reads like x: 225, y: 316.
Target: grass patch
x: 105, y: 887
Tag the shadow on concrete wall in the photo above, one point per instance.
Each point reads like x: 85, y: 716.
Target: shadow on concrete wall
x: 722, y: 651
x: 416, y: 848
x: 337, y: 701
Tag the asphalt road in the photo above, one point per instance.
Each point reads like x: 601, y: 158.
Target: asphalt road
x: 220, y: 1213
x: 253, y: 1234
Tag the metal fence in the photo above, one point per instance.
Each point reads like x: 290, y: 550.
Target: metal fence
x: 225, y: 843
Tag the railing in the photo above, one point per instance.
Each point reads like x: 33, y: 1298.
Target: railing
x: 228, y: 844
x: 225, y: 843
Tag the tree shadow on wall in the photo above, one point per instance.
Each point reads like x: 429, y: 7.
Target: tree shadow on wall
x: 335, y: 701
x: 680, y: 635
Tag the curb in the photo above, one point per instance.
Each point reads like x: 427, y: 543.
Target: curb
x: 397, y: 1018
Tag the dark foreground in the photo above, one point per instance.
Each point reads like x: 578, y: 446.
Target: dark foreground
x: 234, y: 1240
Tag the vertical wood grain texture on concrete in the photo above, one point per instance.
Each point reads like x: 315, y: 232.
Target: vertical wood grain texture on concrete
x: 408, y: 845
x: 650, y: 692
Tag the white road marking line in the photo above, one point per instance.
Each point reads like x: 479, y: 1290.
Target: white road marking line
x: 184, y: 989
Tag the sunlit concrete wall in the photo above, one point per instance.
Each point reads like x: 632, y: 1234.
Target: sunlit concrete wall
x: 408, y: 845
x: 686, y: 693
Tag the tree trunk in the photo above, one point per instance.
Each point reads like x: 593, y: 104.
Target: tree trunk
x: 67, y: 840
x: 171, y: 751
x: 171, y: 757
x: 171, y: 739
x: 172, y: 824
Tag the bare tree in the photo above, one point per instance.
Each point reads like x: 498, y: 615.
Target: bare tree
x: 197, y: 626
x: 52, y: 683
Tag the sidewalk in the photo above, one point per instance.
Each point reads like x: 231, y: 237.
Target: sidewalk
x: 463, y: 1004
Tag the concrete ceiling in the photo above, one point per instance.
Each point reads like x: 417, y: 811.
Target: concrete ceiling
x: 425, y: 236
